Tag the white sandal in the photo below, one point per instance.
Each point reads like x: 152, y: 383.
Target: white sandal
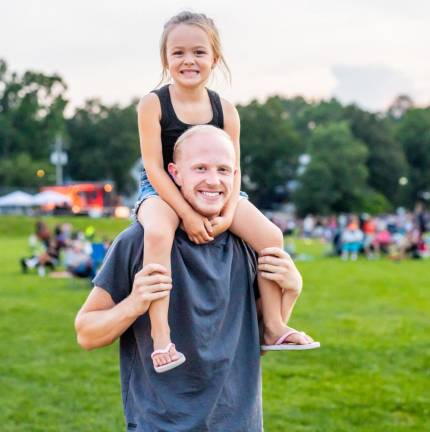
x: 172, y: 364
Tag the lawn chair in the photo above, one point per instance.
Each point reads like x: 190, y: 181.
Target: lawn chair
x: 97, y: 255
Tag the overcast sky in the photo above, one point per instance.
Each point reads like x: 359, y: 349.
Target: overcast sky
x: 362, y: 51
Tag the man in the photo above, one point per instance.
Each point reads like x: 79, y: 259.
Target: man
x: 212, y: 310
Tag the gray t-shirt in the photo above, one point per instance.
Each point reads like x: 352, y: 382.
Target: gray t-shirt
x: 213, y: 321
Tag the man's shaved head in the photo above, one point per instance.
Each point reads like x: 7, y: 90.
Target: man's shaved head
x: 198, y: 130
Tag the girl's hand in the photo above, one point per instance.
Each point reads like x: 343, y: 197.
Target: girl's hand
x: 198, y: 228
x: 220, y: 224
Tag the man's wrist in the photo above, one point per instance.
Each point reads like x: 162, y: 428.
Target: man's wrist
x: 293, y: 291
x: 130, y: 309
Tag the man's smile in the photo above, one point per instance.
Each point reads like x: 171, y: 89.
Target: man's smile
x: 210, y: 195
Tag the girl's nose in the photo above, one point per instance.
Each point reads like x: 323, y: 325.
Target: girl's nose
x: 189, y: 59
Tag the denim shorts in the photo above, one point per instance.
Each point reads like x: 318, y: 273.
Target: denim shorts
x: 147, y: 190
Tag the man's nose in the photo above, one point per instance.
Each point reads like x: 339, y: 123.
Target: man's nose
x: 212, y: 177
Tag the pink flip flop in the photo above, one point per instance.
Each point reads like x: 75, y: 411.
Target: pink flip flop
x: 279, y: 345
x: 171, y: 365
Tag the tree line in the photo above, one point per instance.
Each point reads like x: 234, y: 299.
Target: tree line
x: 322, y: 156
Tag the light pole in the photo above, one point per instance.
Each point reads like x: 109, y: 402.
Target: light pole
x: 59, y: 158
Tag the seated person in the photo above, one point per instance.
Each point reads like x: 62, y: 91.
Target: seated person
x: 43, y: 256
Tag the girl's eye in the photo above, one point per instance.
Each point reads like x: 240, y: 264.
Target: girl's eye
x: 200, y: 52
x: 176, y: 53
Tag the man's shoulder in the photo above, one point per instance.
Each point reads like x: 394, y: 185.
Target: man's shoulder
x: 130, y: 239
x: 249, y: 253
x: 133, y: 233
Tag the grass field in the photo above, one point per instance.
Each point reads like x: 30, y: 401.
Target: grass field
x: 371, y: 374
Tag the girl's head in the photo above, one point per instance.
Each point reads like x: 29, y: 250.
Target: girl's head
x: 203, y: 30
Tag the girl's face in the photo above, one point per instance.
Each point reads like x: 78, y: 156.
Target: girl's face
x: 189, y: 54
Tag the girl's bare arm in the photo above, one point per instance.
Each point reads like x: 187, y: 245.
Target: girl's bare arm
x: 149, y: 114
x: 232, y: 127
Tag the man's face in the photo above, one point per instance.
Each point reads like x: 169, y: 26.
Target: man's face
x: 204, y: 170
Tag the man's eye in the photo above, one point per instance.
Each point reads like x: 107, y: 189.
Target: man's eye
x: 200, y: 168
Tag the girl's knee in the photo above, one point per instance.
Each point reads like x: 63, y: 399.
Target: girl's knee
x: 276, y: 237
x: 158, y: 238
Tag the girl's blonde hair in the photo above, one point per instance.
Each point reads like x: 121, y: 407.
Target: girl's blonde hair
x: 207, y: 25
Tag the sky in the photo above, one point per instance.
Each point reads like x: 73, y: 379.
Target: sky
x: 366, y: 52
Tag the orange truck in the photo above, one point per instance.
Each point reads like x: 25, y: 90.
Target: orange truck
x: 88, y: 198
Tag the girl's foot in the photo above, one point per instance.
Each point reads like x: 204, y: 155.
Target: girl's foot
x: 162, y: 359
x: 272, y: 334
x: 172, y: 364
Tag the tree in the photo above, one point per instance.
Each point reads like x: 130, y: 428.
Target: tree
x: 414, y: 134
x: 335, y: 179
x: 31, y: 112
x: 103, y: 143
x: 386, y: 161
x: 269, y: 151
x: 21, y: 171
x: 31, y: 115
x: 400, y: 106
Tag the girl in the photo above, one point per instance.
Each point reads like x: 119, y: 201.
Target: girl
x: 190, y: 50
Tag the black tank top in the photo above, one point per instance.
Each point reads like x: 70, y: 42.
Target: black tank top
x: 172, y: 127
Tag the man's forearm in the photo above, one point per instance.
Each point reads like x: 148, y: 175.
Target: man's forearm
x: 96, y: 329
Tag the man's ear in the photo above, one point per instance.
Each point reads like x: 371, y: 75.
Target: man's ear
x: 173, y: 171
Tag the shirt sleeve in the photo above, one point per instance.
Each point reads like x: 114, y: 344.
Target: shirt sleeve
x: 252, y: 263
x: 121, y: 263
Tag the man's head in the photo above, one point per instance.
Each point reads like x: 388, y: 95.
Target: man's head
x: 204, y: 165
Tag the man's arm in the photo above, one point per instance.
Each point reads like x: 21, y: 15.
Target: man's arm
x: 100, y: 321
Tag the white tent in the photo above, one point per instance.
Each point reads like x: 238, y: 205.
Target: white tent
x: 16, y: 199
x: 50, y: 197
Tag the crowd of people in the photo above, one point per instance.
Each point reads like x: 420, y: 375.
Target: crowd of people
x: 399, y: 235
x: 67, y: 253
x: 63, y: 252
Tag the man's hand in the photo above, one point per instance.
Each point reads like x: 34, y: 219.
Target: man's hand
x: 220, y: 224
x: 198, y: 228
x: 150, y: 284
x: 276, y: 265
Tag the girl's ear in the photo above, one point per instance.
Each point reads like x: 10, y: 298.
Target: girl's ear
x: 173, y: 171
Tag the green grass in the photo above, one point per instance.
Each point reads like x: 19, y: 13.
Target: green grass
x: 371, y: 374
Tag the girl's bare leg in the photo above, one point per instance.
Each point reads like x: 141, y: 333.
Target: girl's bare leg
x: 252, y: 226
x: 160, y: 222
